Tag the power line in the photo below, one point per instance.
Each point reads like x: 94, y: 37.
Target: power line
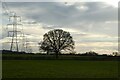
x: 6, y: 8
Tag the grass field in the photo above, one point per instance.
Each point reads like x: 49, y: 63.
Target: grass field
x: 59, y: 69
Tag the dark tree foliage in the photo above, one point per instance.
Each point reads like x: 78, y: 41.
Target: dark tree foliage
x: 57, y: 40
x: 115, y: 54
x: 91, y: 53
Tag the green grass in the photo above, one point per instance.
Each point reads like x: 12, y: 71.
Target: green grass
x: 59, y: 69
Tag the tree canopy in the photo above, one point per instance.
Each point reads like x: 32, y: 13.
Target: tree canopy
x: 57, y: 40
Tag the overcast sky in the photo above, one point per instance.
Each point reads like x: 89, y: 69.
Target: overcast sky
x: 93, y: 25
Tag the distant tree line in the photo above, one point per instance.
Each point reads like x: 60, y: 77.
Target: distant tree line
x: 90, y: 53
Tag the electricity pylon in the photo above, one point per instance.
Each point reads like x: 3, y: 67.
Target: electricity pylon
x: 14, y: 19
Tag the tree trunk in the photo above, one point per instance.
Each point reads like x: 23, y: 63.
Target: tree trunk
x: 57, y: 52
x: 47, y: 52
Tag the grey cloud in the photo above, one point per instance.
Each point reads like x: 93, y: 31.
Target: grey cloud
x: 99, y: 40
x: 59, y: 14
x: 54, y: 13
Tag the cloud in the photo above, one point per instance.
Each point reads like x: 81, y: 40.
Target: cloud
x: 100, y: 47
x: 92, y: 23
x: 65, y: 15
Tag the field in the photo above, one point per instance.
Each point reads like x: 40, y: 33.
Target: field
x: 59, y: 69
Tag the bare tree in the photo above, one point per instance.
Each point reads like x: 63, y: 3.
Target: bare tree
x: 57, y: 40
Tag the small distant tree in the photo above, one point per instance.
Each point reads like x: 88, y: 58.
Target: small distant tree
x: 115, y: 54
x: 91, y: 53
x: 57, y: 40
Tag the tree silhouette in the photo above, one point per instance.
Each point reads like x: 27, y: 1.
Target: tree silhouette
x: 57, y: 40
x: 115, y: 53
x: 91, y: 53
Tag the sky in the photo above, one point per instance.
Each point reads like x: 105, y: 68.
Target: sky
x: 93, y: 24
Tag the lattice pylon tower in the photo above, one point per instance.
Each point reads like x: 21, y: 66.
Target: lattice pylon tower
x: 15, y: 20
